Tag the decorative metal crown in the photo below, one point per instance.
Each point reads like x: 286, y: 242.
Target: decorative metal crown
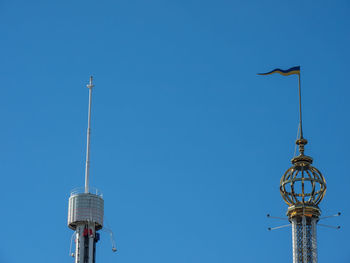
x: 302, y: 184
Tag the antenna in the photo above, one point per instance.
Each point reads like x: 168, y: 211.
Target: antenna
x: 87, y: 167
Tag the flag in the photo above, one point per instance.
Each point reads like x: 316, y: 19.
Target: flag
x: 291, y: 71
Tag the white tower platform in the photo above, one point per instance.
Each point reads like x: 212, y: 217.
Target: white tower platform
x: 85, y: 217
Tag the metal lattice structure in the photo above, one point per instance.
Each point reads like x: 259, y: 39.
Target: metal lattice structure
x: 304, y: 240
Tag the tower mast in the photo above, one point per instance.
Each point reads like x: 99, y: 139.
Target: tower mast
x: 87, y: 165
x: 86, y: 209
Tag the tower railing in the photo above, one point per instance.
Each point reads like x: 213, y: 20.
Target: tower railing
x: 81, y: 190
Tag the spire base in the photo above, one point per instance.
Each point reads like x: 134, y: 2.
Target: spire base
x: 303, y: 209
x: 302, y: 160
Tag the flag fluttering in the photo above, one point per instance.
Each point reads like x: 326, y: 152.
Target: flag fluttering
x: 291, y: 71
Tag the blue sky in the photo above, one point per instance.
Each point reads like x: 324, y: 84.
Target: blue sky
x: 188, y: 143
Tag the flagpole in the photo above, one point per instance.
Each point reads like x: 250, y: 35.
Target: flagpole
x: 291, y: 71
x: 301, y: 121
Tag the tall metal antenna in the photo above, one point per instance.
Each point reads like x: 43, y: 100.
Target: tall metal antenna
x: 87, y: 166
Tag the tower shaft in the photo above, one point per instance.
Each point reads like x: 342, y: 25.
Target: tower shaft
x: 85, y: 243
x: 304, y: 218
x: 304, y: 239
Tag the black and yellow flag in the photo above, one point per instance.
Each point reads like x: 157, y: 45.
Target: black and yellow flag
x: 291, y: 71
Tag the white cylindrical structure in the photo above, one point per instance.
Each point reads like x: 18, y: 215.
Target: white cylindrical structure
x: 85, y: 208
x: 85, y: 216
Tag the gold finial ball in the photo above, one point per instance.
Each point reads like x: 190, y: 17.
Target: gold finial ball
x: 302, y: 183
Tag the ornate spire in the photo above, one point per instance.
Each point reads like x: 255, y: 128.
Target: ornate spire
x: 302, y: 184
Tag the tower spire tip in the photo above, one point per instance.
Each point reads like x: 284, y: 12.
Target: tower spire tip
x: 90, y: 85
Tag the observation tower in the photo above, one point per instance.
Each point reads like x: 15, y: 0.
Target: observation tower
x: 85, y: 211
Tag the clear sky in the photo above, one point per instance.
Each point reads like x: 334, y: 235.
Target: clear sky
x: 188, y: 143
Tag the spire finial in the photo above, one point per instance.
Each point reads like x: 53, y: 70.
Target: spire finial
x: 90, y: 85
x: 301, y: 141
